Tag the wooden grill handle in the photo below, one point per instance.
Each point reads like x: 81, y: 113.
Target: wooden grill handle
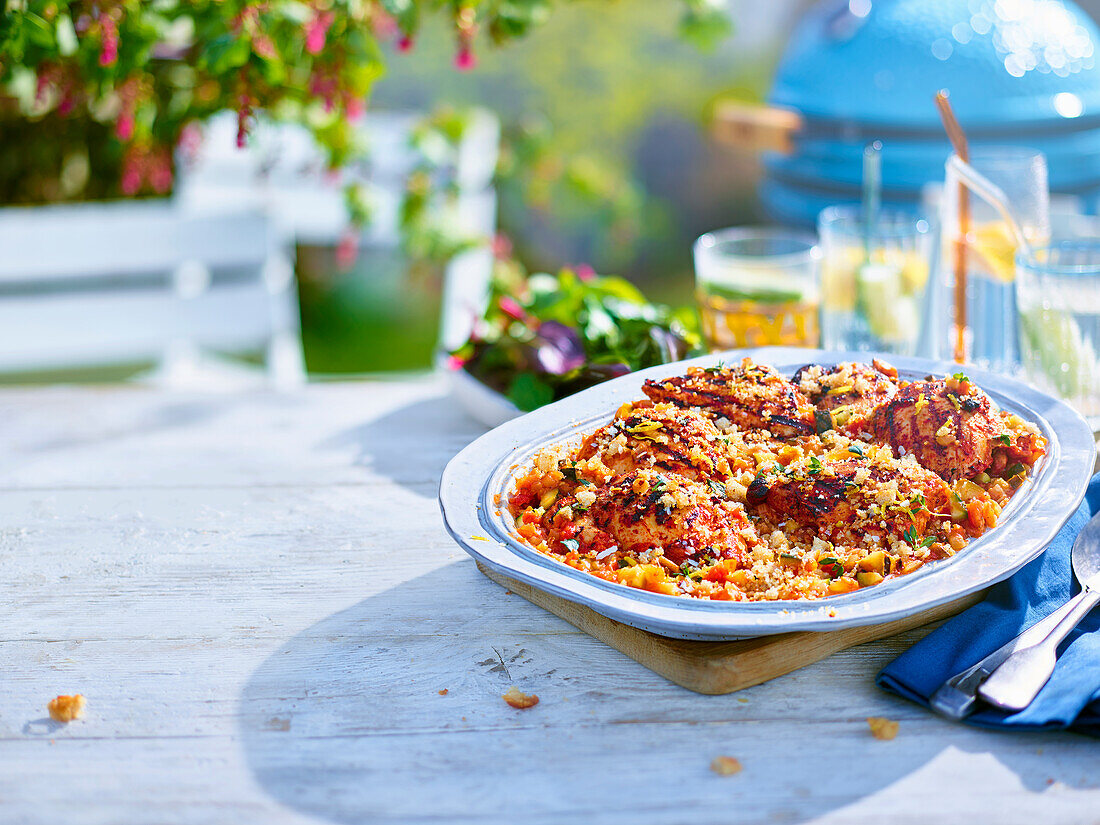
x: 757, y: 127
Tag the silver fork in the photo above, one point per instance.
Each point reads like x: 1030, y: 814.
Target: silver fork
x: 955, y: 699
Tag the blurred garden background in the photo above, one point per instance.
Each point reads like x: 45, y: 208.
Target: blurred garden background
x: 581, y: 136
x: 608, y: 159
x: 604, y: 159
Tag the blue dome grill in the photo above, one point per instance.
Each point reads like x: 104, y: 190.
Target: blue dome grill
x: 1019, y: 72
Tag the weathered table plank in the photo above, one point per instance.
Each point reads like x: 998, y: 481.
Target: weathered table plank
x: 258, y: 599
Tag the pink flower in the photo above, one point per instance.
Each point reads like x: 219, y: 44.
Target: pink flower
x: 502, y: 247
x: 45, y: 81
x: 161, y: 177
x: 465, y: 60
x: 124, y: 126
x: 382, y: 24
x: 584, y: 272
x: 455, y: 363
x: 317, y: 31
x: 348, y: 248
x: 264, y: 46
x: 131, y: 180
x: 108, y: 50
x: 244, y: 125
x: 510, y: 307
x: 190, y: 141
x: 354, y: 108
x: 405, y: 44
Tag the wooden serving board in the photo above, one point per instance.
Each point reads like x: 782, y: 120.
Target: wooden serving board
x: 722, y: 667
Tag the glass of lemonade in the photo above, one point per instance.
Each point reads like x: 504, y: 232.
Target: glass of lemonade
x: 991, y: 311
x: 1059, y: 300
x: 873, y: 279
x: 758, y: 286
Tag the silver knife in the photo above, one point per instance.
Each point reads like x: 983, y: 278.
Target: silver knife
x: 955, y: 699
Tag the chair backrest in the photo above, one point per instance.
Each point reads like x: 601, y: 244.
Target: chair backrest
x: 105, y: 284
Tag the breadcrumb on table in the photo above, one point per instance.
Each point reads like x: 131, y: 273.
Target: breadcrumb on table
x: 520, y: 700
x: 66, y: 708
x: 725, y: 765
x: 882, y: 728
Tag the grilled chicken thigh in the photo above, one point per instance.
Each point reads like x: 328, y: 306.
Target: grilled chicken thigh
x: 842, y: 492
x: 750, y: 395
x: 647, y: 509
x: 948, y: 425
x: 849, y: 392
x: 660, y: 436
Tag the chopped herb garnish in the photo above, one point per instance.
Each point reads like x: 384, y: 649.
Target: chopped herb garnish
x: 1015, y: 469
x: 910, y: 534
x: 569, y: 472
x: 856, y: 449
x: 571, y: 544
x: 1004, y: 438
x: 717, y: 487
x: 960, y: 376
x: 717, y: 368
x: 927, y: 541
x: 815, y: 465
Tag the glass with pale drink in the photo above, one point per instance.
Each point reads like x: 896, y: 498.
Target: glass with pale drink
x: 758, y: 287
x: 992, y: 336
x: 873, y: 279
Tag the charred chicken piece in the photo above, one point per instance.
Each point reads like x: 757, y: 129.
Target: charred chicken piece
x: 947, y: 424
x: 647, y: 509
x: 750, y: 395
x: 662, y: 437
x: 849, y: 392
x: 830, y: 492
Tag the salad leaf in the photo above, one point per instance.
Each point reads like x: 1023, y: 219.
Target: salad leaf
x: 546, y: 336
x: 529, y: 392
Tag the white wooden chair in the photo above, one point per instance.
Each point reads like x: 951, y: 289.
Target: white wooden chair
x: 100, y: 285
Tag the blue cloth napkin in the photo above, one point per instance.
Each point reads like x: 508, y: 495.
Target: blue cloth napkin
x: 1071, y: 699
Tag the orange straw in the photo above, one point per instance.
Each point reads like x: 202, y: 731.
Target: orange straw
x: 958, y: 141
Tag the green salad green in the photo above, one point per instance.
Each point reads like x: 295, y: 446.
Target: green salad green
x: 545, y: 336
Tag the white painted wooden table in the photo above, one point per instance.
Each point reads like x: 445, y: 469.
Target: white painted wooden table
x: 256, y: 596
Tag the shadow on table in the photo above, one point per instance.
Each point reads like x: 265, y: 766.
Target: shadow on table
x: 383, y: 444
x: 346, y: 722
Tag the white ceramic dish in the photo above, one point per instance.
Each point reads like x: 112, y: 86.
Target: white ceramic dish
x: 484, y: 470
x: 484, y: 404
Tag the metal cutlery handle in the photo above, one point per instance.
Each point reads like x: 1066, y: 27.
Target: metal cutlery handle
x: 1016, y: 683
x: 957, y: 696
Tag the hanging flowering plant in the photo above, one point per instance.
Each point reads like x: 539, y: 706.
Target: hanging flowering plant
x: 147, y: 72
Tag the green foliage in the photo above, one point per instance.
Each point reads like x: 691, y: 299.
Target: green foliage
x: 148, y: 68
x: 704, y: 23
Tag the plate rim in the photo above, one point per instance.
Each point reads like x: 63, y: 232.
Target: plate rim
x: 469, y: 511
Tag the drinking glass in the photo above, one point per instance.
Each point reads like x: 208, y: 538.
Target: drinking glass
x: 989, y: 248
x: 1059, y: 301
x: 873, y: 279
x: 758, y: 287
